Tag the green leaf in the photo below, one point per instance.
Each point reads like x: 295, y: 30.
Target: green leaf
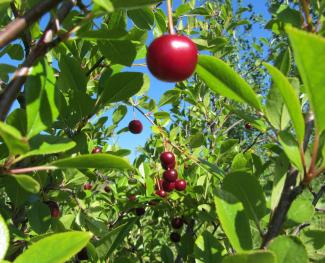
x: 18, y: 119
x: 247, y: 189
x: 233, y: 220
x: 99, y: 161
x: 135, y: 4
x: 106, y: 4
x: 43, y: 251
x: 46, y: 144
x: 309, y: 53
x: 166, y: 254
x: 119, y: 114
x: 314, y: 240
x: 301, y: 210
x: 121, y: 52
x: 207, y: 248
x: 196, y: 140
x: 291, y: 148
x: 4, y: 238
x: 283, y: 61
x: 39, y: 217
x: 122, y: 86
x: 143, y: 18
x: 13, y: 139
x: 222, y: 79
x: 27, y: 182
x: 254, y: 256
x: 41, y: 99
x: 288, y: 249
x: 106, y: 246
x: 291, y: 100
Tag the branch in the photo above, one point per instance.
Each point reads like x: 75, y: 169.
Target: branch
x: 13, y: 30
x: 319, y: 195
x: 305, y: 7
x: 253, y: 143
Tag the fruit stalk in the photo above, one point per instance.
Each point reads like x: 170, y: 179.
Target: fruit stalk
x: 170, y: 17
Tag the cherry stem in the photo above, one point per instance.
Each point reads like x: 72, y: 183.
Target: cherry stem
x: 170, y: 17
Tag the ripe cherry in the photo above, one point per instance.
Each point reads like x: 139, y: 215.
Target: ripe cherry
x: 107, y: 189
x: 161, y: 193
x: 168, y: 186
x: 139, y: 211
x: 135, y: 127
x: 248, y: 126
x: 170, y: 175
x: 54, y: 209
x: 96, y: 150
x: 172, y: 58
x: 132, y: 198
x: 168, y: 160
x: 177, y: 222
x: 180, y: 185
x: 88, y: 186
x: 175, y: 237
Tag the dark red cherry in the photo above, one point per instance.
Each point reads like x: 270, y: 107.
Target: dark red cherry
x: 107, y: 189
x: 135, y: 127
x: 96, y: 150
x: 161, y: 193
x: 54, y: 209
x: 132, y: 198
x: 180, y: 185
x: 167, y: 160
x: 170, y: 175
x: 168, y: 186
x: 248, y: 126
x: 139, y: 211
x: 172, y: 58
x: 177, y: 222
x: 88, y: 186
x: 175, y: 237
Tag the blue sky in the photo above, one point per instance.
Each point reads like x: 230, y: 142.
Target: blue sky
x: 157, y: 88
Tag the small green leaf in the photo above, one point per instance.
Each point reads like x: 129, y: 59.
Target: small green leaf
x: 119, y: 114
x: 207, y: 248
x: 233, y: 220
x: 291, y: 100
x: 4, y: 238
x: 283, y: 61
x: 41, y: 99
x: 39, y: 217
x: 253, y: 256
x: 27, y: 182
x: 143, y: 18
x: 222, y: 79
x: 99, y: 161
x: 309, y: 53
x: 43, y: 250
x: 288, y: 249
x: 196, y: 140
x: 301, y: 210
x: 18, y: 119
x: 166, y: 254
x: 106, y: 4
x: 134, y: 4
x: 13, y: 139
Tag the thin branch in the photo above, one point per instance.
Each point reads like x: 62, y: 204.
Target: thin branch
x: 253, y: 143
x: 14, y: 29
x: 96, y: 65
x: 31, y: 169
x: 233, y: 126
x: 306, y: 8
x: 319, y: 195
x: 312, y: 169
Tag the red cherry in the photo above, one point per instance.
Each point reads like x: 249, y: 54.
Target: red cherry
x: 88, y: 186
x: 170, y: 175
x: 177, y: 222
x: 168, y: 160
x: 139, y: 211
x: 180, y: 185
x: 161, y: 193
x: 248, y: 126
x: 135, y: 127
x: 107, y: 189
x: 160, y: 184
x: 96, y: 150
x: 168, y: 186
x: 172, y: 58
x: 153, y: 202
x: 175, y: 237
x: 54, y: 209
x: 132, y: 198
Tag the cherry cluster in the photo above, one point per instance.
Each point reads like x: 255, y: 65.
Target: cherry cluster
x: 170, y: 179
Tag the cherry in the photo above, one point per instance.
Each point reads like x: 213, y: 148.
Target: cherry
x: 54, y: 209
x: 88, y: 186
x: 180, y: 185
x: 175, y: 237
x: 172, y: 58
x: 107, y: 189
x: 135, y: 127
x: 96, y: 150
x: 153, y: 202
x: 83, y: 254
x: 161, y: 193
x: 168, y: 160
x: 132, y: 198
x: 139, y: 211
x: 248, y: 126
x: 177, y: 222
x: 168, y: 186
x: 170, y: 175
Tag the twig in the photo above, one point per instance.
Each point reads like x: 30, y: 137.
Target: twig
x: 96, y: 65
x: 319, y: 195
x: 13, y: 30
x: 312, y: 169
x: 253, y: 143
x: 305, y: 8
x: 232, y: 126
x: 31, y: 169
